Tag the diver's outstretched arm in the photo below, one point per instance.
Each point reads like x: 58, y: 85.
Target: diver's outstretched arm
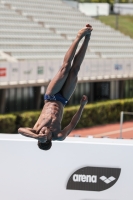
x: 66, y: 131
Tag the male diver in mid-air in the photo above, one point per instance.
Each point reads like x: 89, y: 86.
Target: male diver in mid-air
x: 58, y: 93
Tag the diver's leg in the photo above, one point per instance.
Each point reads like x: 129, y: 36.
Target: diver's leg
x: 71, y: 81
x: 58, y: 81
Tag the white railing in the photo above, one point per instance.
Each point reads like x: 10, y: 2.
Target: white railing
x: 122, y: 119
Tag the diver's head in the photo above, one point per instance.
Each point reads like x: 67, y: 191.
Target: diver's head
x: 44, y: 142
x: 45, y: 146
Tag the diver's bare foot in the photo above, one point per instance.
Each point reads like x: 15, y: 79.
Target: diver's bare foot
x: 85, y: 31
x: 88, y: 25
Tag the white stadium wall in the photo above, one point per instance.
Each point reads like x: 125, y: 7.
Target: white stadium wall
x: 94, y: 9
x: 75, y: 169
x: 43, y: 71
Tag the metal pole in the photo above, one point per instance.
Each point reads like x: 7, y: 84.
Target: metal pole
x: 121, y: 122
x: 97, y: 12
x: 117, y: 16
x: 116, y: 25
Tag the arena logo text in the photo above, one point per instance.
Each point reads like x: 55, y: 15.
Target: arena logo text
x: 84, y: 178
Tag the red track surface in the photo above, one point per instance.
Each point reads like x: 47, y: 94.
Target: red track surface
x: 110, y: 130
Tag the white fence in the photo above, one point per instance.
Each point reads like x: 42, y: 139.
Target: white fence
x: 43, y: 71
x: 75, y: 169
x: 122, y: 119
x: 123, y: 8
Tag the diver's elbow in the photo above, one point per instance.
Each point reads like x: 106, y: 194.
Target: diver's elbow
x: 20, y: 130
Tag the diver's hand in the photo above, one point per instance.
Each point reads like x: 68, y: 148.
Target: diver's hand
x: 84, y: 100
x: 42, y: 136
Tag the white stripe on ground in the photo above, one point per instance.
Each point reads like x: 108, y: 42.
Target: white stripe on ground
x: 113, y: 132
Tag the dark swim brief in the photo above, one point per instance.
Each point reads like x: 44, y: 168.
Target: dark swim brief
x: 56, y: 97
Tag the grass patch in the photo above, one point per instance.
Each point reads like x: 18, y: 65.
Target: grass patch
x: 125, y: 24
